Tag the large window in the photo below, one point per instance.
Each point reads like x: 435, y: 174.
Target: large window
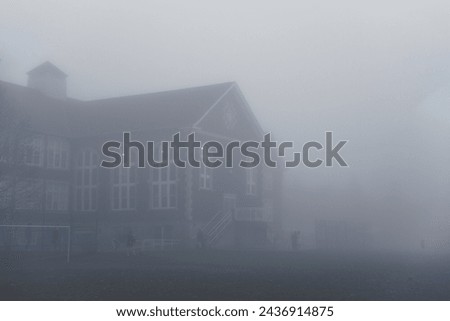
x: 250, y: 186
x: 124, y: 188
x: 34, y: 151
x: 56, y: 196
x: 57, y: 153
x: 164, y: 187
x: 206, y: 176
x: 86, y: 181
x: 268, y: 177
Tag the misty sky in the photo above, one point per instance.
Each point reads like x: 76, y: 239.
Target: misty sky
x: 295, y: 57
x: 375, y: 73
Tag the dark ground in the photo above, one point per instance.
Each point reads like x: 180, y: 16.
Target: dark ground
x: 227, y: 275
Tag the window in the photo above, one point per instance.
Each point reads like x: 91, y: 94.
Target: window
x: 268, y: 178
x: 164, y: 187
x: 57, y: 153
x: 206, y: 177
x: 124, y: 188
x: 250, y: 175
x: 56, y: 196
x: 34, y: 151
x: 86, y: 181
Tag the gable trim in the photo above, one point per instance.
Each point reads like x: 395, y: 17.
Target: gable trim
x: 212, y: 106
x: 246, y: 109
x: 249, y: 112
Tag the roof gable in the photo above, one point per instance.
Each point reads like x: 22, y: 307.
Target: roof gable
x: 206, y: 107
x: 231, y: 117
x: 170, y: 109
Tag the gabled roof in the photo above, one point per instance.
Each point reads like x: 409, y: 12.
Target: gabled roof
x: 73, y: 118
x: 41, y: 113
x: 168, y: 109
x: 47, y: 67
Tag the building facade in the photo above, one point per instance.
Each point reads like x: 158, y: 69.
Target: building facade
x: 52, y: 174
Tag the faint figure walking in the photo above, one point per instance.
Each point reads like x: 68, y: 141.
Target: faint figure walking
x: 294, y: 240
x: 131, y: 241
x: 201, y: 240
x: 115, y: 244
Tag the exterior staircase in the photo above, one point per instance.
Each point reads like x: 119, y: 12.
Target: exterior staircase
x: 217, y: 226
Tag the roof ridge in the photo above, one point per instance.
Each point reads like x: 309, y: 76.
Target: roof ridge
x: 171, y: 91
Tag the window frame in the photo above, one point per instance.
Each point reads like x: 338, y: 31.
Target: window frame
x: 251, y: 182
x: 164, y: 181
x: 206, y: 178
x: 124, y: 184
x: 86, y: 181
x: 57, y: 152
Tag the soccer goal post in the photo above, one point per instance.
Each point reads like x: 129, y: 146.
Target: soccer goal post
x: 36, y: 238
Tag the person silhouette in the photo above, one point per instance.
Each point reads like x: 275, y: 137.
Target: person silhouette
x: 131, y: 241
x: 294, y: 240
x: 201, y: 240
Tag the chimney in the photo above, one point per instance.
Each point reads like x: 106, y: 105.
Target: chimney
x: 49, y: 80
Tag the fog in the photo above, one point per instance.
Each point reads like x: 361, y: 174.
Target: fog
x: 376, y: 74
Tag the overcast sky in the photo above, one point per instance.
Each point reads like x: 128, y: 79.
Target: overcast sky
x: 296, y: 57
x: 361, y: 69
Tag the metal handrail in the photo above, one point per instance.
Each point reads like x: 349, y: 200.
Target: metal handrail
x: 216, y: 226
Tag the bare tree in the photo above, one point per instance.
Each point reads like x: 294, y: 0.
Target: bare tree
x: 14, y: 146
x: 8, y: 126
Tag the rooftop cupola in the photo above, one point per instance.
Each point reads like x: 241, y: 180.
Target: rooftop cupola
x: 49, y: 80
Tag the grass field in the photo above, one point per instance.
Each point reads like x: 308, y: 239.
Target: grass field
x: 228, y: 275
